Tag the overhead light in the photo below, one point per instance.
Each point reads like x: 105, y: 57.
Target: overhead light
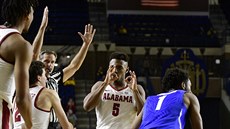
x: 167, y: 40
x: 68, y: 56
x: 217, y: 61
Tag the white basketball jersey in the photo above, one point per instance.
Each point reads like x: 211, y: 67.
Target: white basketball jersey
x: 116, y: 109
x: 40, y: 117
x: 7, y: 82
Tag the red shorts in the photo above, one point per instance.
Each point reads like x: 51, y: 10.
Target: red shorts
x: 5, y: 115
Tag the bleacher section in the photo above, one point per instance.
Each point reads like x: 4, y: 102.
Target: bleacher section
x: 162, y: 30
x: 224, y: 4
x: 66, y: 18
x: 69, y: 17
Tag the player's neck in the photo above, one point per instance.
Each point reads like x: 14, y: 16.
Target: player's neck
x: 119, y: 84
x: 33, y: 85
x: 19, y: 28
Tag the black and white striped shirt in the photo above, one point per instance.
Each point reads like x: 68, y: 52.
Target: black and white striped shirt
x: 53, y: 82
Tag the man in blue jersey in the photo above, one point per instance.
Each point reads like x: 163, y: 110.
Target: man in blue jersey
x: 168, y: 109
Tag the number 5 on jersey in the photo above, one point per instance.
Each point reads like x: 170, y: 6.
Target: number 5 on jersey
x: 116, y: 107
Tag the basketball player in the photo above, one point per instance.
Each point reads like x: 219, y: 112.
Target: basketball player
x: 168, y: 110
x: 49, y: 58
x: 117, y: 100
x: 15, y: 58
x: 43, y: 100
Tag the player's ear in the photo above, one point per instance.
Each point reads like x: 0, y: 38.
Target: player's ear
x: 183, y: 86
x: 38, y: 78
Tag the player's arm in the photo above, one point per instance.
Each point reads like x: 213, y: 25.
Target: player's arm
x: 56, y: 105
x: 23, y: 58
x: 77, y: 61
x: 139, y: 98
x: 38, y: 41
x: 93, y: 98
x: 138, y: 91
x: 194, y: 111
x: 137, y: 121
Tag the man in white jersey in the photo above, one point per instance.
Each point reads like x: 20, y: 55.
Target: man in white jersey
x: 43, y: 100
x: 117, y: 100
x: 15, y: 58
x: 49, y: 58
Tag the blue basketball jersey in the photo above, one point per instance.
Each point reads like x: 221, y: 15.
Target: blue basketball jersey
x: 164, y: 111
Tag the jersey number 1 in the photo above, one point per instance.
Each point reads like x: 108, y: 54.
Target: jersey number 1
x: 160, y: 101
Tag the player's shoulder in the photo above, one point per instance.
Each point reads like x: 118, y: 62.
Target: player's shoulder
x: 17, y: 38
x: 16, y: 41
x: 190, y: 95
x: 190, y: 98
x: 52, y: 95
x: 49, y: 92
x: 98, y: 83
x: 139, y: 86
x: 21, y: 45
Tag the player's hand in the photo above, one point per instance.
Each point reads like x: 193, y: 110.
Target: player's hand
x: 88, y: 35
x: 111, y: 75
x: 132, y: 80
x: 44, y: 18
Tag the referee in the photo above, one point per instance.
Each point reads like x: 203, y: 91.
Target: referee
x: 55, y: 79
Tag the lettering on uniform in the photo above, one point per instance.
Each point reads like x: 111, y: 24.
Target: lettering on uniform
x: 120, y: 98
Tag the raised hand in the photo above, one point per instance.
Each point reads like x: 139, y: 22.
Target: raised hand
x: 132, y: 80
x: 111, y: 76
x: 88, y: 35
x: 45, y: 18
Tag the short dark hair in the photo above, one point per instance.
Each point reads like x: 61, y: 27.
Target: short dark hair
x: 36, y: 69
x: 14, y: 10
x: 119, y: 56
x: 47, y: 52
x: 173, y: 79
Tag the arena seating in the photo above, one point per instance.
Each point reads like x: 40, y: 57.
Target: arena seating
x: 162, y: 30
